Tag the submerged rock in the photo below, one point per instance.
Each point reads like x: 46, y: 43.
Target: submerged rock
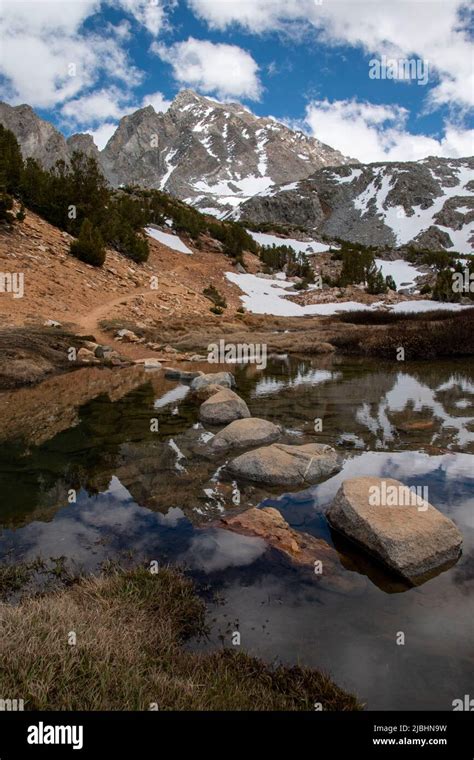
x: 172, y: 373
x: 301, y: 548
x: 149, y: 363
x: 286, y: 465
x: 223, y: 407
x: 251, y: 431
x: 407, y: 534
x: 225, y: 379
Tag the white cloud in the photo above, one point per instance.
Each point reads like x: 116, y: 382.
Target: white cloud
x: 254, y: 15
x: 102, y: 134
x: 371, y: 132
x: 148, y: 13
x: 101, y: 105
x: 431, y: 29
x: 46, y: 58
x: 225, y: 70
x: 157, y: 100
x: 105, y: 108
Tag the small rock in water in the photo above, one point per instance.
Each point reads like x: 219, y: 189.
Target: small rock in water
x: 286, y: 465
x: 226, y: 379
x: 150, y: 363
x: 223, y: 407
x: 245, y: 433
x: 301, y: 548
x: 171, y: 373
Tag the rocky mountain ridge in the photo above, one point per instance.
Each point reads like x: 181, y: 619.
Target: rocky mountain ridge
x: 226, y: 161
x: 426, y: 204
x: 210, y: 154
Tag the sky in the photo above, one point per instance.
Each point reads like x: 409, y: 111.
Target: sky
x: 375, y: 79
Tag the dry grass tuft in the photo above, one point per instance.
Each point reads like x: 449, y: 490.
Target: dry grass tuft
x: 130, y: 627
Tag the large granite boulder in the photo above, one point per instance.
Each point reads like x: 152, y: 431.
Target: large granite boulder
x: 401, y: 530
x: 286, y: 465
x: 223, y: 407
x: 245, y: 433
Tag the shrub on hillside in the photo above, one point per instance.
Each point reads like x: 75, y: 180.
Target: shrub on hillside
x: 443, y: 289
x: 6, y: 205
x: 357, y: 263
x: 89, y: 247
x: 217, y: 298
x: 134, y: 247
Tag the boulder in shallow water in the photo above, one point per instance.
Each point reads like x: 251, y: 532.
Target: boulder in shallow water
x: 223, y: 407
x: 406, y: 533
x: 300, y: 548
x: 245, y: 433
x: 286, y: 465
x: 225, y: 379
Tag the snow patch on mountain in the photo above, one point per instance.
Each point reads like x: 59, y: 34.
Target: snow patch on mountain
x: 299, y: 246
x: 265, y: 296
x: 168, y: 239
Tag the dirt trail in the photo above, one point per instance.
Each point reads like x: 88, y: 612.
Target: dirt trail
x: 61, y: 288
x: 88, y: 324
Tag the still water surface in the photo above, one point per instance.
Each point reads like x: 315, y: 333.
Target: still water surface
x: 145, y: 495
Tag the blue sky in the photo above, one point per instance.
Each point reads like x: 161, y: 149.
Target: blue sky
x: 375, y: 79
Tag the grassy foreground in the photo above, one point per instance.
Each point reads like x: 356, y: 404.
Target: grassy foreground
x: 130, y: 627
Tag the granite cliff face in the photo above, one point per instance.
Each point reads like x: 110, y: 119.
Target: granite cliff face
x: 40, y: 140
x: 210, y: 154
x: 427, y: 203
x: 37, y: 138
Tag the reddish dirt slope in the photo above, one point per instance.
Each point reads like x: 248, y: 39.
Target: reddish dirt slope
x: 61, y: 288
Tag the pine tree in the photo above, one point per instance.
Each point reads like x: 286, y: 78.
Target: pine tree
x: 11, y: 162
x: 375, y: 281
x: 443, y: 289
x: 89, y: 247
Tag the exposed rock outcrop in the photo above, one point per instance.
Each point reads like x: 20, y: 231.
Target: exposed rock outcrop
x: 427, y: 204
x: 199, y: 145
